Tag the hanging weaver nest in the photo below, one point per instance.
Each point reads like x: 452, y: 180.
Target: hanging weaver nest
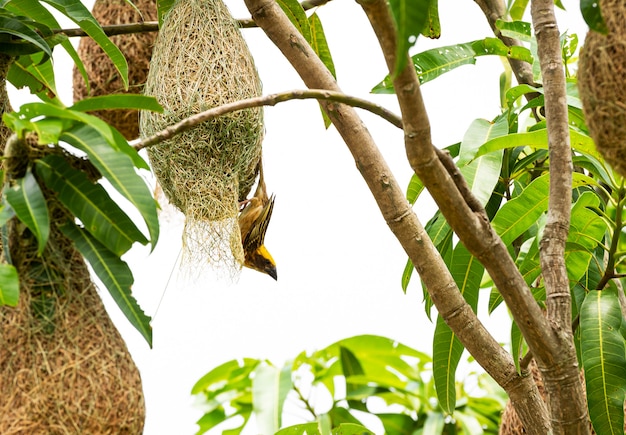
x: 602, y: 84
x: 511, y: 424
x: 200, y: 61
x: 104, y: 78
x: 65, y: 368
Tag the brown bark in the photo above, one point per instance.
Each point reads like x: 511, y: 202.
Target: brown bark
x: 401, y: 218
x: 561, y: 373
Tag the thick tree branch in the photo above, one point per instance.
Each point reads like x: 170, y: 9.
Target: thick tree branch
x: 267, y: 100
x: 397, y: 212
x: 561, y: 374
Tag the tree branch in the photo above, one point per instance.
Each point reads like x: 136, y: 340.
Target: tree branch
x: 267, y: 100
x: 399, y: 216
x: 153, y: 26
x: 495, y: 10
x: 561, y: 374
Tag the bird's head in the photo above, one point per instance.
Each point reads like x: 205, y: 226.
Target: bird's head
x: 262, y: 261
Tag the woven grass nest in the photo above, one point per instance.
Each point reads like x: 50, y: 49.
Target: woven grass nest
x: 602, y: 84
x: 200, y: 61
x: 65, y: 368
x: 104, y: 78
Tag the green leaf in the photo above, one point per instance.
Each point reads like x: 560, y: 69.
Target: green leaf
x: 118, y: 101
x: 77, y: 12
x: 211, y: 419
x: 414, y: 189
x: 320, y: 47
x: 517, y: 9
x: 229, y: 373
x: 90, y: 202
x: 163, y: 7
x: 592, y: 14
x: 517, y: 345
x: 432, y: 27
x: 9, y: 285
x: 406, y: 275
x: 432, y: 63
x: 29, y: 204
x: 18, y: 27
x: 520, y: 30
x: 300, y: 429
x: 351, y: 429
x: 435, y: 421
x: 397, y: 424
x: 447, y: 349
x: 604, y: 360
x: 539, y: 139
x: 410, y: 17
x: 117, y: 168
x: 294, y: 11
x: 270, y: 386
x: 39, y: 77
x: 481, y: 173
x: 114, y: 274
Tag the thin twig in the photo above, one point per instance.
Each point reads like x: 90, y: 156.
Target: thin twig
x: 268, y: 100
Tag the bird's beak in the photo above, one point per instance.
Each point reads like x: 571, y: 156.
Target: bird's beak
x: 272, y: 272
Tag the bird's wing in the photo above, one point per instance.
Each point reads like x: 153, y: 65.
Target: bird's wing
x: 256, y: 236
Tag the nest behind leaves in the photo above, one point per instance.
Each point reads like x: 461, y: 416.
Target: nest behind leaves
x: 602, y: 84
x: 200, y: 61
x: 65, y: 368
x: 104, y: 78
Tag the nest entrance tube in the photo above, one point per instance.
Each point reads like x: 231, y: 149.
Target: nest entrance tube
x: 200, y: 61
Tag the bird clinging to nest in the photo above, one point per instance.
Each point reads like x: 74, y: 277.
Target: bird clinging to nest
x: 253, y: 221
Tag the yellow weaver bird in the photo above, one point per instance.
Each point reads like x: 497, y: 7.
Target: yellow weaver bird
x: 254, y: 218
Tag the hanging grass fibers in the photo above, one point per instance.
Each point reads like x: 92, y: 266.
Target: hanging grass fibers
x: 104, y: 79
x: 602, y: 84
x: 200, y: 61
x: 65, y: 368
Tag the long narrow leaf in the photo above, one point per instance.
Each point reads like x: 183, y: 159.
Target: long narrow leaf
x: 410, y: 17
x: 294, y: 11
x: 39, y: 77
x: 432, y: 63
x: 90, y: 202
x: 118, y: 169
x: 447, y: 349
x: 29, y: 204
x: 604, y: 361
x: 320, y: 47
x: 270, y: 386
x: 118, y: 101
x: 77, y: 12
x: 114, y: 274
x: 9, y: 285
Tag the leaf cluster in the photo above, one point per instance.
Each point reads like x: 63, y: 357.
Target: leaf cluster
x: 357, y: 376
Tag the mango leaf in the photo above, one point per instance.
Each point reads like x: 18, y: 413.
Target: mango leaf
x: 432, y: 27
x: 397, y: 424
x: 39, y: 77
x: 539, y: 139
x: 518, y: 214
x: 163, y: 7
x: 22, y: 28
x: 118, y: 101
x: 27, y: 200
x: 320, y: 47
x: 517, y: 345
x: 432, y: 63
x: 79, y: 14
x: 604, y: 360
x: 270, y: 386
x: 9, y: 285
x: 91, y: 203
x: 447, y: 349
x: 235, y: 372
x: 592, y: 14
x: 118, y: 169
x: 481, y: 174
x: 294, y: 11
x: 410, y: 17
x: 35, y: 10
x: 520, y: 30
x: 300, y: 429
x: 414, y: 189
x: 114, y: 274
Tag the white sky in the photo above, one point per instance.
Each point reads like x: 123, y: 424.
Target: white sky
x: 339, y: 266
